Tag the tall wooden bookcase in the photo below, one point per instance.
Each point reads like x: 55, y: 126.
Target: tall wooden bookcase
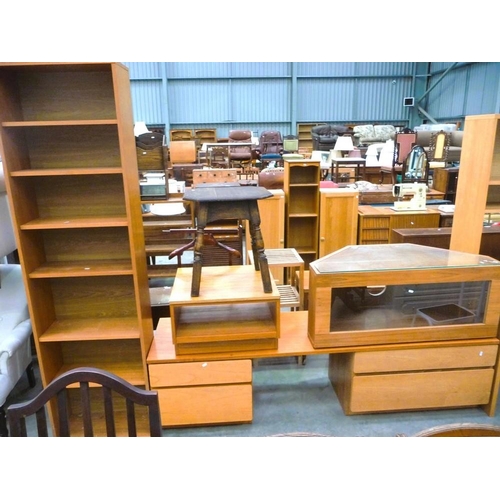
x: 301, y: 186
x: 68, y: 148
x: 478, y: 188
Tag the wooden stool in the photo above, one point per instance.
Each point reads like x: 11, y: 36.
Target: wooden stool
x: 228, y: 201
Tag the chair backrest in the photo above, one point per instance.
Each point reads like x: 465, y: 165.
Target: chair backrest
x: 182, y: 152
x: 291, y: 144
x: 75, y: 407
x: 240, y: 152
x: 270, y: 142
x: 181, y: 135
x: 403, y: 143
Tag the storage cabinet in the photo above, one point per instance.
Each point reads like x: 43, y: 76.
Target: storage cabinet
x: 203, y: 392
x: 232, y: 313
x: 376, y: 223
x: 408, y: 379
x: 446, y: 180
x: 68, y: 149
x: 396, y: 293
x: 478, y: 189
x: 301, y: 185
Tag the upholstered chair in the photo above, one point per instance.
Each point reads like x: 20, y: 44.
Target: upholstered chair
x: 15, y: 324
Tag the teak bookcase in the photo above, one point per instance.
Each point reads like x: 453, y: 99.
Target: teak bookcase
x: 68, y: 148
x: 301, y: 186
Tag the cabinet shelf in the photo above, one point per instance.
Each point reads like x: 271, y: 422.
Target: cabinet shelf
x: 73, y: 330
x: 82, y: 268
x: 58, y: 123
x: 214, y: 323
x: 132, y: 374
x: 52, y: 172
x: 74, y: 222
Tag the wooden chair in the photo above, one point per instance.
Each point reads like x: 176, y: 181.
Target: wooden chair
x: 181, y: 135
x: 403, y: 143
x: 115, y: 390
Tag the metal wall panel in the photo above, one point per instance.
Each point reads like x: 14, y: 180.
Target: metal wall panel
x: 147, y: 101
x: 192, y: 101
x: 483, y: 89
x: 260, y: 100
x: 353, y: 69
x: 324, y: 99
x: 227, y: 69
x: 352, y: 100
x: 144, y: 70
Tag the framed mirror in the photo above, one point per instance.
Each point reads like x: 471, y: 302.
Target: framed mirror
x: 416, y: 166
x: 439, y: 146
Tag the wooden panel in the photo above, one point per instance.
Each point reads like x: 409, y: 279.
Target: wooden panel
x: 338, y: 219
x: 479, y: 163
x: 425, y: 359
x: 200, y: 373
x: 206, y: 405
x: 272, y: 220
x: 405, y: 391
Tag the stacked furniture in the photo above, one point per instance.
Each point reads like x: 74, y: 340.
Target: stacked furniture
x: 69, y: 154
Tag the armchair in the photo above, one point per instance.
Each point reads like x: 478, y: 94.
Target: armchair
x: 324, y: 137
x: 241, y: 156
x: 270, y: 148
x: 15, y: 325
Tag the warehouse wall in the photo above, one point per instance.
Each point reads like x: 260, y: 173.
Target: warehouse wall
x: 268, y: 95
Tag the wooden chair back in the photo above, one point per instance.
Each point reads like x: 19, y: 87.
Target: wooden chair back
x: 81, y: 382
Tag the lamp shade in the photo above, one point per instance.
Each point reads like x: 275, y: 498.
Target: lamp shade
x: 344, y: 143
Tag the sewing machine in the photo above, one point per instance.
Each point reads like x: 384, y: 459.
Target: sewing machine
x: 416, y: 189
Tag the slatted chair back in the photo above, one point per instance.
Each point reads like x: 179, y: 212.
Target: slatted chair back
x: 82, y: 379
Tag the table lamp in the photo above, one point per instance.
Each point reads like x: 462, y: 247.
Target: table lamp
x: 343, y: 145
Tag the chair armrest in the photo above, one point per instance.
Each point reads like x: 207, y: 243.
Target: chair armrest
x: 16, y: 338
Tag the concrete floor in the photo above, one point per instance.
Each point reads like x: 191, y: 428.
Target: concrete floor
x: 293, y: 398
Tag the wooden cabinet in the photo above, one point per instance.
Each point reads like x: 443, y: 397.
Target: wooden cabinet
x: 433, y: 314
x: 478, y: 189
x: 446, y: 180
x: 375, y: 224
x: 338, y: 222
x: 203, y: 392
x: 301, y: 185
x: 408, y: 379
x: 272, y: 220
x: 304, y: 135
x: 232, y: 313
x: 68, y: 149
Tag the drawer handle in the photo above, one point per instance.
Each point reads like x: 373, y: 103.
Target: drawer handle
x: 204, y: 365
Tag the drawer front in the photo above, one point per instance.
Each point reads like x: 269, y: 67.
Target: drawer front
x: 200, y: 373
x: 425, y: 359
x: 206, y: 405
x: 425, y: 390
x: 375, y: 222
